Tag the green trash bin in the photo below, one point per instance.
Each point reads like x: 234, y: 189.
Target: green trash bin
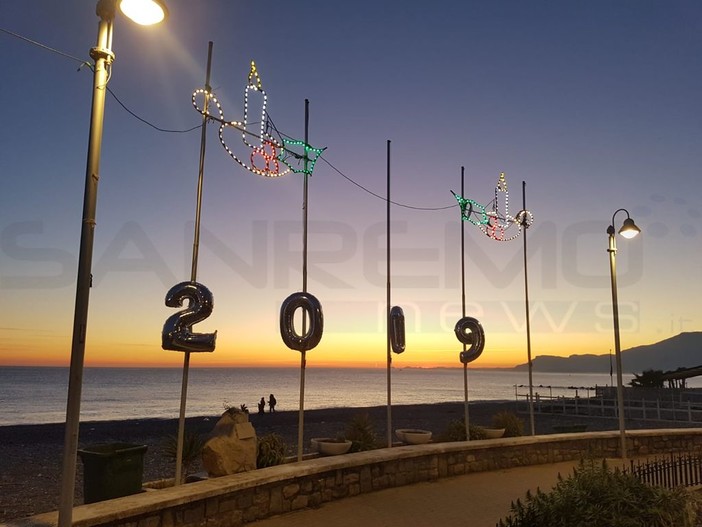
x: 111, y: 470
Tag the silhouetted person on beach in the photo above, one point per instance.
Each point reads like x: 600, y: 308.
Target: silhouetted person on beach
x: 261, y: 405
x: 271, y: 402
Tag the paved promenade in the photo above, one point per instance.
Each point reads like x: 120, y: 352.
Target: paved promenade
x: 472, y: 500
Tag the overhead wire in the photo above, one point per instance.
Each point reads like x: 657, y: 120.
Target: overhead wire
x: 221, y: 121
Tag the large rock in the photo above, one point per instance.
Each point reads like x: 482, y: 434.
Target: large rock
x: 231, y: 447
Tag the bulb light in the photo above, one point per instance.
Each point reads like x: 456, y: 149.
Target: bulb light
x: 500, y: 224
x: 469, y: 208
x: 267, y: 153
x: 144, y: 12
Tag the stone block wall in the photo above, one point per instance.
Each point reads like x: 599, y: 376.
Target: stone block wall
x: 232, y: 501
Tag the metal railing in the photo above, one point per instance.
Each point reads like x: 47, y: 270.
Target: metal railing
x: 680, y: 470
x: 601, y: 406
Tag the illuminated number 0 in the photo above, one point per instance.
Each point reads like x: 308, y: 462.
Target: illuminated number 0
x: 313, y: 309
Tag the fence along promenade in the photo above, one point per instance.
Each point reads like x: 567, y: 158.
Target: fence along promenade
x: 666, y: 404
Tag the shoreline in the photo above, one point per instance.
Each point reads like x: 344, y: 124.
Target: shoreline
x: 32, y: 454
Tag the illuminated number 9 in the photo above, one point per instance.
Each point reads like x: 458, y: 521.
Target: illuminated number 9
x: 313, y: 308
x: 397, y: 329
x: 177, y: 332
x: 469, y: 332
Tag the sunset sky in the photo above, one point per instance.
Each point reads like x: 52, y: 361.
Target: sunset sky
x: 596, y: 105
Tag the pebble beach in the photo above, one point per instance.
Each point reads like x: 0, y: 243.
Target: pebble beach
x: 32, y: 454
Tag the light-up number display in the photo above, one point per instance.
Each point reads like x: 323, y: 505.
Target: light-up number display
x: 315, y: 318
x: 177, y: 334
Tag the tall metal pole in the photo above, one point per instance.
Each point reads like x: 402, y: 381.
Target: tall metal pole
x: 612, y: 250
x: 463, y: 310
x: 525, y: 226
x: 303, y: 353
x: 387, y: 295
x: 193, y: 269
x: 103, y: 57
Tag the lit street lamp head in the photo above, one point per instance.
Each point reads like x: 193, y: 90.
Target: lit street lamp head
x: 629, y: 229
x: 144, y: 12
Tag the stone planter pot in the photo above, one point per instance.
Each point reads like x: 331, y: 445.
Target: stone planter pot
x: 493, y: 433
x: 413, y: 436
x: 328, y: 446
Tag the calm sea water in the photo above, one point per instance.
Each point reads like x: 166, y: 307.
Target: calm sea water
x: 31, y: 395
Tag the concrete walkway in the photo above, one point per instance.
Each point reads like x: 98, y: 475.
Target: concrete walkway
x: 472, y: 500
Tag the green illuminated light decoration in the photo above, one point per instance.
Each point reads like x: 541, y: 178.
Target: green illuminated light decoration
x: 469, y: 208
x: 293, y: 160
x: 497, y: 222
x: 266, y: 152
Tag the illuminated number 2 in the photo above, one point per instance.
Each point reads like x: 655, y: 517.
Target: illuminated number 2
x: 177, y: 332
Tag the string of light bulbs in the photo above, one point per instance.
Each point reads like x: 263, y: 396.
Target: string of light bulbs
x: 289, y: 153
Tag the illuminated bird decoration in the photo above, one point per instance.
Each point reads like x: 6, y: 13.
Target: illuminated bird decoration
x: 500, y: 224
x: 268, y: 155
x: 471, y: 211
x: 496, y: 222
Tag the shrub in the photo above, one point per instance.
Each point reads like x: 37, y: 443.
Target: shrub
x: 595, y: 496
x: 361, y: 432
x: 270, y: 450
x: 513, y: 425
x: 192, y: 449
x: 456, y: 431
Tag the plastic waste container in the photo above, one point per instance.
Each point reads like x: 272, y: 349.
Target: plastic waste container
x: 111, y: 470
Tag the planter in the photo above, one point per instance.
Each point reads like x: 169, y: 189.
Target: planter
x: 328, y: 446
x: 413, y: 436
x: 493, y: 433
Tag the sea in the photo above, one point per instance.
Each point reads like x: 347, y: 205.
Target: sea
x: 37, y: 395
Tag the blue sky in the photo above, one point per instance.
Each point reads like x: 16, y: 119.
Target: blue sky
x: 594, y: 104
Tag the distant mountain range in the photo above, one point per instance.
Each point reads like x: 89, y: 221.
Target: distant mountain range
x: 682, y: 351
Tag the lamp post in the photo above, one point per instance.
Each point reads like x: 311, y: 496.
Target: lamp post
x: 628, y: 230
x: 144, y: 12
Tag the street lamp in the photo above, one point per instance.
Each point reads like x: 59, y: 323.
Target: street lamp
x: 628, y: 230
x: 144, y: 12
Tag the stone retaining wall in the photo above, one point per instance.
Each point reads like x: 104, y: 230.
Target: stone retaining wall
x: 235, y: 500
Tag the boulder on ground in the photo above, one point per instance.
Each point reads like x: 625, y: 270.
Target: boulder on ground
x: 231, y: 447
